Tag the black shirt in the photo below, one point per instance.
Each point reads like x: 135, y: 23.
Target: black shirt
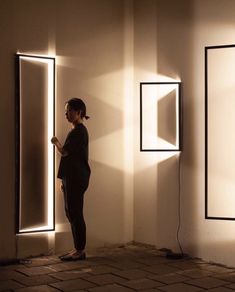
x: 75, y: 163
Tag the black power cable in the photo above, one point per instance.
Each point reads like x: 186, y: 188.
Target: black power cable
x: 179, y: 205
x: 171, y: 254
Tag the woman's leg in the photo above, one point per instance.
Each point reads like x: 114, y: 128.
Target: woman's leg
x: 74, y: 201
x: 78, y: 224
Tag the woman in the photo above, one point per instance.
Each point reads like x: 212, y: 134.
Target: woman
x: 74, y: 171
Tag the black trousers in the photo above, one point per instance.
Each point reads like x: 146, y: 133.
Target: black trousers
x: 73, y: 204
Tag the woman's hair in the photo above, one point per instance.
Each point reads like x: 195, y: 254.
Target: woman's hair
x: 78, y: 105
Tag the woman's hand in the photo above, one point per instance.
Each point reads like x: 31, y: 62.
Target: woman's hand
x: 54, y: 140
x: 62, y: 187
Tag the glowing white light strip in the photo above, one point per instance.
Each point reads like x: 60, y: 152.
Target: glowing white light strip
x: 50, y: 132
x: 177, y: 117
x: 50, y: 150
x: 40, y: 228
x: 20, y: 138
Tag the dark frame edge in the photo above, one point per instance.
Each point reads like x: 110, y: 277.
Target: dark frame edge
x: 220, y: 218
x: 206, y: 134
x: 220, y: 46
x: 141, y: 128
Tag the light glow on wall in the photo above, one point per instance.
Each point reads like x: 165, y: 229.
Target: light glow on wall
x: 50, y: 81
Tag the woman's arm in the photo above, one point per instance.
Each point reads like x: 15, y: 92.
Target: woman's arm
x: 55, y: 141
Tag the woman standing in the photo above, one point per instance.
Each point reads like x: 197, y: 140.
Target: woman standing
x: 74, y: 171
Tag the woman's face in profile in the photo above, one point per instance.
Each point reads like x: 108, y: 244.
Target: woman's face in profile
x: 71, y: 115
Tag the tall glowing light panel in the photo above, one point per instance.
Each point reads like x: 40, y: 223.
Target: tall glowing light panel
x: 219, y: 132
x: 160, y: 116
x: 35, y: 120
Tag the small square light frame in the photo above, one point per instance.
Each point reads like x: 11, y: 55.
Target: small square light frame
x: 178, y: 113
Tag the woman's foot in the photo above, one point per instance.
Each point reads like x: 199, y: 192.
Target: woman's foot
x: 76, y: 255
x: 67, y: 253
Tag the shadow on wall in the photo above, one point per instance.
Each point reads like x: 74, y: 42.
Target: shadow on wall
x: 105, y: 119
x: 103, y: 100
x: 175, y: 59
x: 33, y: 207
x: 167, y: 118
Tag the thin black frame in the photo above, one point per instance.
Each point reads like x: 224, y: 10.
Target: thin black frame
x: 17, y: 143
x: 179, y: 115
x: 207, y: 48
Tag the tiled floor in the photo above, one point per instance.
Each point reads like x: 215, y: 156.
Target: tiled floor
x: 122, y: 269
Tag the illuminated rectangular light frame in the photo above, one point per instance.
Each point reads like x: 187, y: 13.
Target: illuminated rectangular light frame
x: 178, y: 117
x: 50, y: 151
x: 207, y: 48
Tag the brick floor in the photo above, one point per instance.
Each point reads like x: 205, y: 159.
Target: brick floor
x: 207, y: 283
x: 124, y: 269
x: 9, y: 285
x: 71, y: 285
x: 111, y: 288
x: 105, y: 279
x: 169, y: 278
x: 181, y: 287
x: 220, y: 289
x: 41, y: 288
x: 141, y: 284
x: 133, y: 274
